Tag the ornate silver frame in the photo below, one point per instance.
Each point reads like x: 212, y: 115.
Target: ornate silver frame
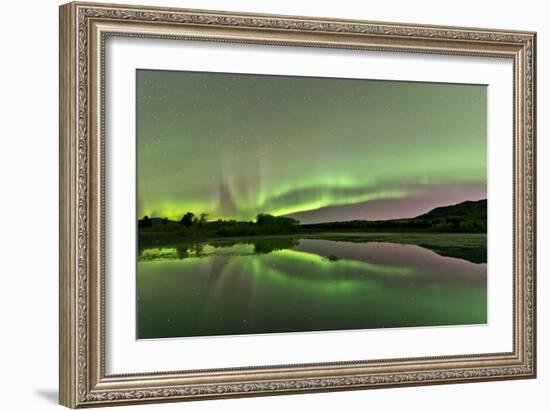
x: 83, y: 30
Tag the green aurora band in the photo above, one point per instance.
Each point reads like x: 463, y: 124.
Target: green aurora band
x: 235, y: 145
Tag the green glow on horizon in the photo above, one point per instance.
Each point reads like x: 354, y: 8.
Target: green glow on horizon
x: 234, y: 146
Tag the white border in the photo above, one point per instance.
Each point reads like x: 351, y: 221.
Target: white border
x: 126, y: 355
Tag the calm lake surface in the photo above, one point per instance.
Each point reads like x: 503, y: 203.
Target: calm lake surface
x: 290, y: 285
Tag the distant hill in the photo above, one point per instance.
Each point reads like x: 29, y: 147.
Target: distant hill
x: 467, y: 210
x: 468, y: 216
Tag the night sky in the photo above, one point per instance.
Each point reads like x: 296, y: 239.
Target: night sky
x: 234, y: 145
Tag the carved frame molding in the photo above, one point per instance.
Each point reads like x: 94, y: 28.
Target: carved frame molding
x: 84, y: 27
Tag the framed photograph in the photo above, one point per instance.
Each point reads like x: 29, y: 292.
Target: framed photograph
x: 259, y: 204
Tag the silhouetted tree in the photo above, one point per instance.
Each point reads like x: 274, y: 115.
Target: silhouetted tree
x: 203, y: 218
x: 187, y: 219
x: 145, y: 222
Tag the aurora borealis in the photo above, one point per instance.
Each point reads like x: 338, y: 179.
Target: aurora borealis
x: 318, y: 149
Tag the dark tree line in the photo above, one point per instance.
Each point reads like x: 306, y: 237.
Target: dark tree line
x: 198, y: 225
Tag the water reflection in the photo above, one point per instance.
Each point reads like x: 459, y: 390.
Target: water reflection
x: 289, y: 284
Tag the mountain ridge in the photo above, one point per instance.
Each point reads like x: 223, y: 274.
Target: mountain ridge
x: 467, y: 216
x: 469, y: 207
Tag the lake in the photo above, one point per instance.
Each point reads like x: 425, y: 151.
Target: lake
x: 287, y: 284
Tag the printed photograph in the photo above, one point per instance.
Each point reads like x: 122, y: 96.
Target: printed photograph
x: 284, y: 204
